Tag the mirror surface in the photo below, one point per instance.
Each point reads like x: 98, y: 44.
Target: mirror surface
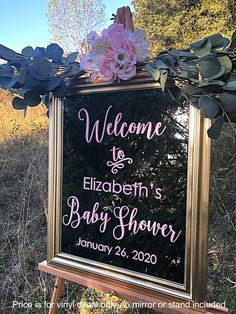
x: 125, y: 157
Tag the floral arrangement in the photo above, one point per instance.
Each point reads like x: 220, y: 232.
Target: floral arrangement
x: 205, y: 72
x: 115, y: 53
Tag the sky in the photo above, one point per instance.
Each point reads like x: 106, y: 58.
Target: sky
x: 24, y: 22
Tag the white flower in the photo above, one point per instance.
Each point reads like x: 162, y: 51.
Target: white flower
x: 141, y: 44
x: 91, y: 37
x: 121, y: 57
x: 100, y: 47
x: 87, y: 63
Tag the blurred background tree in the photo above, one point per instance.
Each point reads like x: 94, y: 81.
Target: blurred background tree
x: 177, y: 23
x: 71, y: 20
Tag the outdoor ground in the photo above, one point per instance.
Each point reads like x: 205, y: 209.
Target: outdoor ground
x: 23, y: 217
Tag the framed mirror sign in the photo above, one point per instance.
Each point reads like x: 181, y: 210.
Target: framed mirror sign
x: 128, y: 189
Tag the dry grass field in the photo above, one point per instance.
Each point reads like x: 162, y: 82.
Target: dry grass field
x: 23, y: 222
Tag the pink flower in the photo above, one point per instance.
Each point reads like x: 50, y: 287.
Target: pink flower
x: 114, y: 53
x: 91, y: 37
x: 139, y: 42
x: 108, y: 69
x: 127, y: 71
x: 125, y: 75
x: 112, y: 29
x: 87, y: 63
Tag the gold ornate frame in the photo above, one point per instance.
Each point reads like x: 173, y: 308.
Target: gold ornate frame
x: 137, y: 286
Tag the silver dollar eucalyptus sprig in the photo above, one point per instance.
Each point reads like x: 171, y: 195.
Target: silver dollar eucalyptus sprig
x: 206, y: 74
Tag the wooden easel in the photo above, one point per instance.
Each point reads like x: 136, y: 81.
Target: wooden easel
x: 123, y: 291
x: 57, y: 292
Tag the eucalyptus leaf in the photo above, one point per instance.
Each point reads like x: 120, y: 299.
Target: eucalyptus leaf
x: 60, y: 91
x: 54, y: 52
x: 18, y: 62
x: 186, y: 54
x: 45, y: 99
x: 7, y: 54
x: 226, y: 63
x: 72, y: 57
x: 28, y: 52
x: 232, y: 45
x: 23, y: 90
x: 231, y: 86
x: 183, y: 66
x: 22, y: 74
x: 228, y: 101
x: 40, y: 69
x: 193, y: 100
x: 209, y: 106
x: 232, y: 116
x: 32, y: 98
x: 71, y: 71
x: 201, y: 48
x: 4, y: 81
x: 163, y: 78
x: 52, y: 84
x: 54, y: 70
x: 192, y: 69
x: 210, y: 68
x: 226, y: 42
x: 31, y: 82
x: 160, y: 64
x: 25, y: 111
x: 14, y: 83
x: 232, y: 77
x: 217, y: 40
x: 39, y: 52
x: 183, y: 74
x: 167, y: 62
x: 173, y: 52
x: 213, y: 82
x: 154, y: 72
x: 6, y: 70
x: 215, y: 130
x: 18, y: 103
x: 189, y: 69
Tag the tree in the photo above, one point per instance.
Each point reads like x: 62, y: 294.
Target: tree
x: 71, y: 20
x: 177, y: 23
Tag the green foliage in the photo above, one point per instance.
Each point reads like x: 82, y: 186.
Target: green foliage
x: 177, y: 23
x: 206, y: 73
x: 35, y: 73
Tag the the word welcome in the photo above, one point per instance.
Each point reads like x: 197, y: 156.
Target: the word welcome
x: 117, y: 128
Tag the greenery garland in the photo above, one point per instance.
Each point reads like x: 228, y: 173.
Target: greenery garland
x: 35, y: 73
x: 205, y: 73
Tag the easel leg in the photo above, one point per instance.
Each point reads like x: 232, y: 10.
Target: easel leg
x: 57, y: 292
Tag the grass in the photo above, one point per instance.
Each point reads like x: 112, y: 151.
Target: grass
x: 23, y: 207
x: 222, y: 218
x: 15, y: 126
x: 23, y: 212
